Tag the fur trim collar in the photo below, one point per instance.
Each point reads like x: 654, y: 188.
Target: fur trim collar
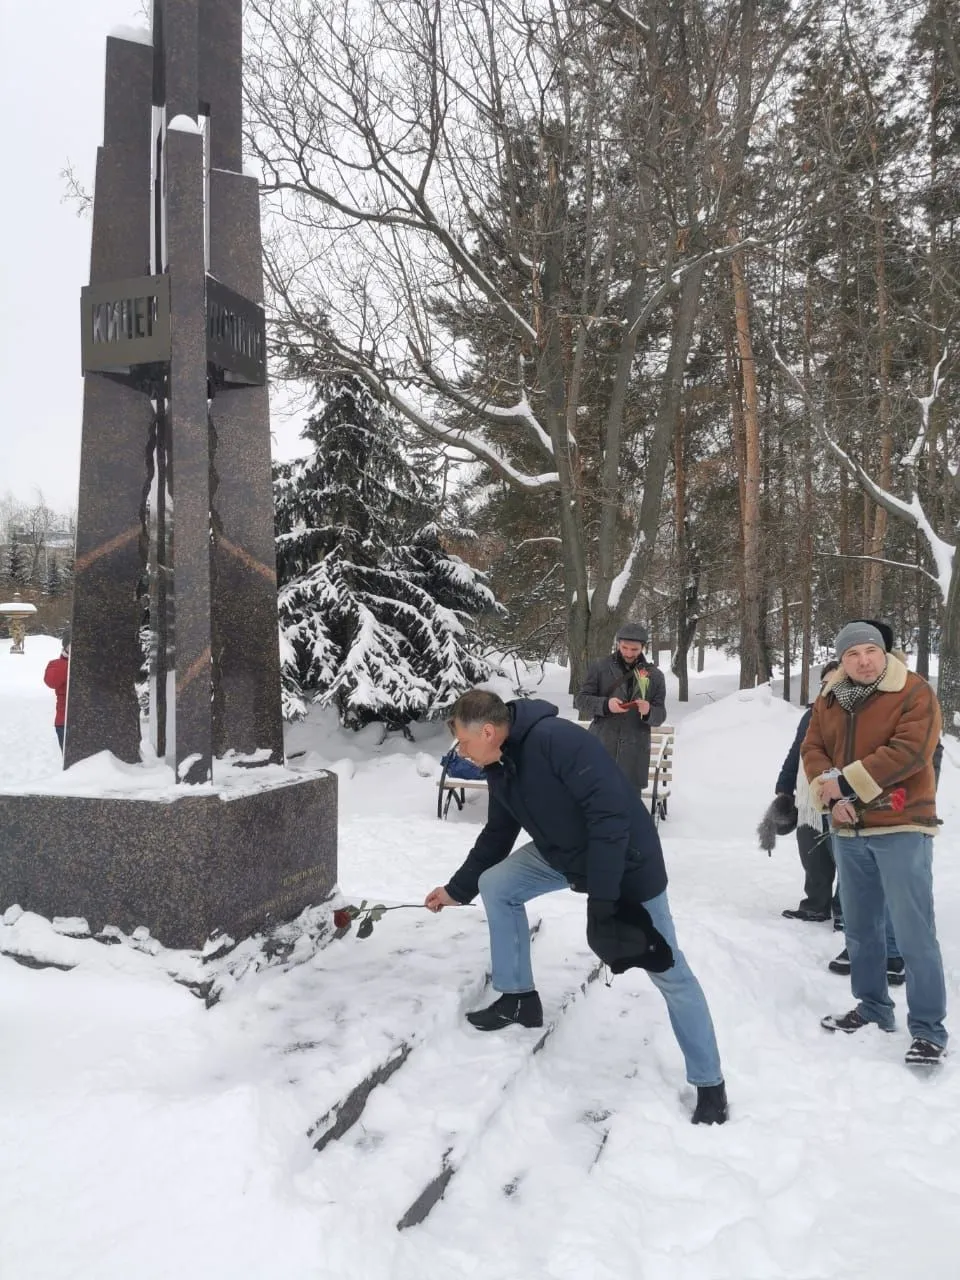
x: 894, y: 678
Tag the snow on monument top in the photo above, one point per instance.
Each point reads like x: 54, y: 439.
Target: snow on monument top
x: 134, y: 35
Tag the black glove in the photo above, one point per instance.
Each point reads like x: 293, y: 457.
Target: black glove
x: 623, y: 936
x: 779, y: 820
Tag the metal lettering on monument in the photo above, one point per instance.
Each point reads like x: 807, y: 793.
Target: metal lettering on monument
x: 236, y: 335
x: 125, y: 324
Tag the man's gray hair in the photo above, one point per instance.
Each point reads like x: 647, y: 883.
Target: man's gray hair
x: 477, y: 707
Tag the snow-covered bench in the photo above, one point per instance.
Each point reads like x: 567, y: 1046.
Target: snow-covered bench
x: 660, y: 775
x: 656, y: 793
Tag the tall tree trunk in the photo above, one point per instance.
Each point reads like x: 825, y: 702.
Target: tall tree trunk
x: 785, y: 640
x: 750, y: 657
x: 679, y: 664
x: 806, y: 529
x: 848, y: 597
x: 923, y: 614
x: 688, y: 564
x: 948, y: 679
x: 877, y: 537
x: 687, y: 621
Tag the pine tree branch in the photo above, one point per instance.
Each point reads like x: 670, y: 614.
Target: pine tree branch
x: 387, y: 390
x: 518, y: 415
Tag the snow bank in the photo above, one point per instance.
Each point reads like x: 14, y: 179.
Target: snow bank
x: 165, y: 1139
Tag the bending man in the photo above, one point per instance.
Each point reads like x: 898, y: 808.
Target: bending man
x: 590, y: 832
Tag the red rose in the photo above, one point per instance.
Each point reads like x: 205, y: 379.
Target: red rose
x: 898, y: 800
x: 342, y: 919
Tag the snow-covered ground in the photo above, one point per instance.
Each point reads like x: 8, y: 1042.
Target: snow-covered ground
x: 142, y: 1134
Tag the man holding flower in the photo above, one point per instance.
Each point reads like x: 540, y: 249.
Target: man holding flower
x: 625, y: 695
x: 868, y: 755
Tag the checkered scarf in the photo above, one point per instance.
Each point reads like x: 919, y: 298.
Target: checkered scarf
x: 852, y: 695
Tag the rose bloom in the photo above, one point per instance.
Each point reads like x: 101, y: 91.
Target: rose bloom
x: 341, y: 919
x: 898, y: 800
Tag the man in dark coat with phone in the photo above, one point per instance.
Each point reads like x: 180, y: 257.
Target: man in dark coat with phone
x: 625, y: 695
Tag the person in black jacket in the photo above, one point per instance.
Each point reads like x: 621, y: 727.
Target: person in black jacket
x: 590, y: 832
x: 816, y: 852
x: 625, y: 694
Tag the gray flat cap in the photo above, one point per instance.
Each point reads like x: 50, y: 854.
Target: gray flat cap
x: 634, y: 632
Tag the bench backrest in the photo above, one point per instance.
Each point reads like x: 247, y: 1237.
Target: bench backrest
x: 662, y: 740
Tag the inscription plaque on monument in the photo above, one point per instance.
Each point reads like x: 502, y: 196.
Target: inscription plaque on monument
x: 236, y: 335
x: 125, y: 324
x: 174, y: 633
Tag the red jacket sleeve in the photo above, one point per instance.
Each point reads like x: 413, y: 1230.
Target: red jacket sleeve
x: 55, y: 676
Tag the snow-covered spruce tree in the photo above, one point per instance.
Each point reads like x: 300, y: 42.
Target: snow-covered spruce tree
x: 52, y: 579
x: 375, y: 617
x: 17, y: 568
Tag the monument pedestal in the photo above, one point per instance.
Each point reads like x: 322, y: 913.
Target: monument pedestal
x: 185, y: 867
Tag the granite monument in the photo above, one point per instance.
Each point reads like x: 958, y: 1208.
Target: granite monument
x: 175, y: 648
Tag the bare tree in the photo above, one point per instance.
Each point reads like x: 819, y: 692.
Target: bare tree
x: 74, y: 192
x: 540, y: 169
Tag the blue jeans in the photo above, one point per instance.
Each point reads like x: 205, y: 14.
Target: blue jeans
x: 525, y: 875
x: 893, y: 951
x: 898, y: 869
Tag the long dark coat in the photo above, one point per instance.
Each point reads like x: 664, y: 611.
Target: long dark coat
x: 627, y: 735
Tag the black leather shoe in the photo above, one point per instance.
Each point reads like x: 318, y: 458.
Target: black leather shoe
x: 523, y: 1010
x: 814, y: 917
x: 848, y: 1022
x: 895, y: 974
x: 922, y: 1053
x: 711, y: 1104
x: 841, y: 963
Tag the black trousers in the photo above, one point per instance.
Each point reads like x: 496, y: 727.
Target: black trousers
x: 819, y: 872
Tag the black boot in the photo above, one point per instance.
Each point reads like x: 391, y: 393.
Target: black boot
x: 524, y: 1009
x: 711, y: 1104
x: 895, y: 974
x: 841, y: 963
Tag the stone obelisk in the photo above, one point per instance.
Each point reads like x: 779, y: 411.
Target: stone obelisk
x: 172, y: 205
x: 175, y: 646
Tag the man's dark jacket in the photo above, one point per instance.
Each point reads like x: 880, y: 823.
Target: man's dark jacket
x: 557, y: 783
x: 787, y: 781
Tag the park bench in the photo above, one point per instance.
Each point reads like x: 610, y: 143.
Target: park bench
x: 655, y: 794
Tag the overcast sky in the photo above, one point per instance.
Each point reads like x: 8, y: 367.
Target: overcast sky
x: 51, y: 113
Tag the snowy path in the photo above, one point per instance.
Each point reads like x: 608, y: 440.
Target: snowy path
x: 142, y: 1134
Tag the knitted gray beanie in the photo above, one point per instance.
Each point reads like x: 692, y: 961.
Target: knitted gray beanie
x: 857, y: 633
